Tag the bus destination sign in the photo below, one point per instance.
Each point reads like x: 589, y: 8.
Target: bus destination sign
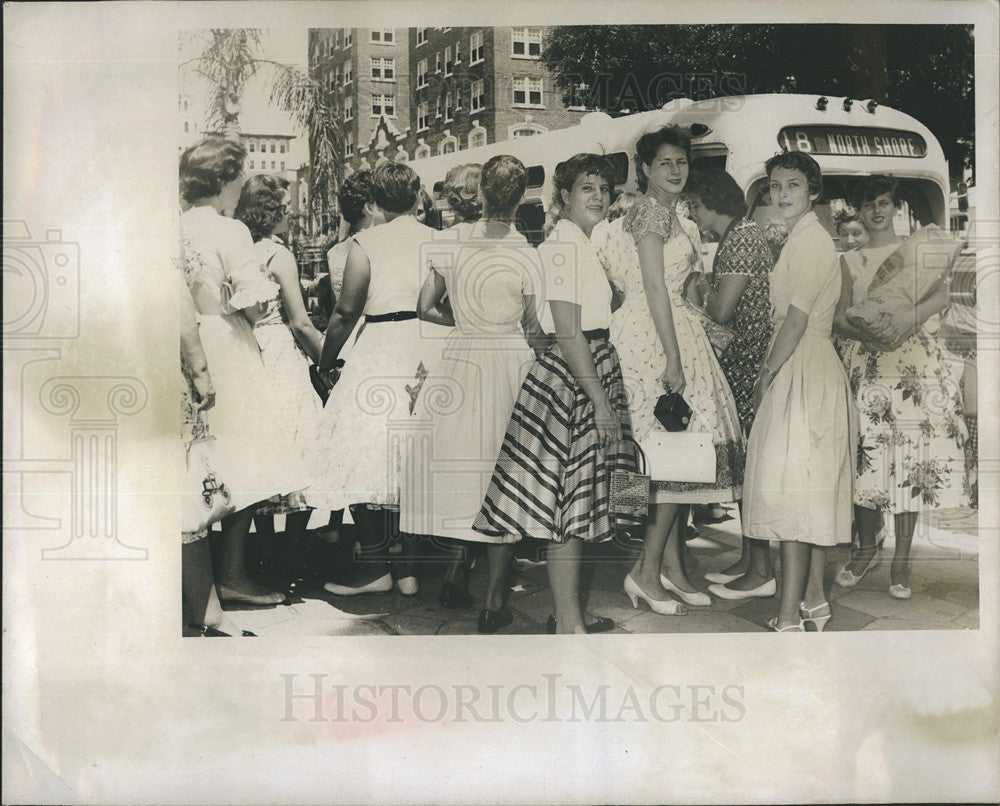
x: 857, y: 141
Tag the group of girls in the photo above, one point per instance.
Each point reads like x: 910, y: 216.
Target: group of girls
x: 484, y: 392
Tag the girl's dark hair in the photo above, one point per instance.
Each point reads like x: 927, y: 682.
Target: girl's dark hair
x: 260, y: 206
x: 355, y: 193
x: 718, y: 191
x: 208, y: 165
x: 461, y: 188
x: 875, y: 185
x: 647, y: 146
x: 803, y: 163
x: 503, y: 181
x: 395, y: 187
x: 567, y: 172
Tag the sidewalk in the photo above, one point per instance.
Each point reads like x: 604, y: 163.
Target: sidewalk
x: 944, y: 579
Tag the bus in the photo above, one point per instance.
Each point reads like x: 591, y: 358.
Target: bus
x: 849, y: 139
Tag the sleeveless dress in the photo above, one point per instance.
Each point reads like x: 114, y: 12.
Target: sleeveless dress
x: 800, y: 455
x: 642, y: 359
x: 287, y: 371
x: 911, y: 454
x: 357, y: 452
x: 467, y: 399
x: 223, y: 273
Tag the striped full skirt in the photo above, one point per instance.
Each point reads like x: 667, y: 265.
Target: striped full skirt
x: 552, y: 479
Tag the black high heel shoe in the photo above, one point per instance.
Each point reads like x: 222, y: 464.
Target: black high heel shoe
x: 600, y: 624
x: 492, y: 620
x: 453, y: 597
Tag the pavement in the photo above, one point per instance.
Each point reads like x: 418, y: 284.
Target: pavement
x: 944, y: 579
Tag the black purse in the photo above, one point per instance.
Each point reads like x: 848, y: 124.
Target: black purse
x: 672, y: 412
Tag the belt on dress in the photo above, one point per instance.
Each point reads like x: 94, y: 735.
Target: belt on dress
x: 397, y: 316
x: 599, y: 333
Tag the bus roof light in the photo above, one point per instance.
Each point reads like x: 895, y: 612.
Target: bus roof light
x: 699, y: 129
x: 848, y: 103
x: 821, y: 103
x: 871, y: 106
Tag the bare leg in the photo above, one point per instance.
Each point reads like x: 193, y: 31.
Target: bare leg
x: 868, y: 523
x: 267, y: 543
x: 501, y: 559
x: 564, y: 579
x: 200, y: 602
x: 899, y: 571
x: 673, y: 557
x: 794, y: 569
x: 233, y: 567
x: 742, y: 565
x: 815, y: 594
x: 646, y: 571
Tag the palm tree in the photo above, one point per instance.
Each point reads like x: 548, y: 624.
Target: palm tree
x: 230, y: 57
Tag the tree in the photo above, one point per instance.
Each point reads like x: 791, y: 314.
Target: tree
x: 229, y: 58
x: 923, y: 70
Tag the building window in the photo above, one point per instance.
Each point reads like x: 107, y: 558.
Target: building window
x: 422, y: 152
x: 476, y: 48
x: 525, y: 130
x: 348, y: 39
x: 384, y: 105
x: 251, y: 165
x: 348, y: 108
x: 477, y: 137
x: 282, y: 166
x: 401, y: 156
x: 281, y: 149
x: 253, y: 147
x: 437, y: 107
x: 437, y: 62
x: 421, y: 74
x: 272, y: 165
x: 333, y: 45
x: 349, y: 144
x: 526, y: 43
x: 348, y: 73
x: 422, y: 115
x: 477, y: 99
x: 449, y: 106
x: 528, y: 91
x: 458, y: 53
x: 333, y: 80
x: 187, y: 127
x: 448, y: 146
x: 383, y: 69
x: 384, y: 36
x: 421, y: 36
x: 449, y: 65
x: 272, y: 148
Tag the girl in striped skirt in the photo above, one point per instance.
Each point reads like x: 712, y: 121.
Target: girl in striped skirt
x: 570, y: 427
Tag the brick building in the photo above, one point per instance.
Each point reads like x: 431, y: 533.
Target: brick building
x: 406, y: 94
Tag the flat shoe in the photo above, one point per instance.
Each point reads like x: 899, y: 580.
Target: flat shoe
x: 381, y: 585
x: 773, y: 625
x: 900, y: 591
x: 764, y: 591
x: 846, y: 578
x: 230, y: 595
x: 721, y: 578
x: 696, y: 599
x: 600, y: 624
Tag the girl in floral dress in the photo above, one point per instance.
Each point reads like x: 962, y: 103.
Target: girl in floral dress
x: 911, y: 453
x: 663, y: 347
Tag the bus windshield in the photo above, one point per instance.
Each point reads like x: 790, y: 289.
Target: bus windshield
x: 923, y: 203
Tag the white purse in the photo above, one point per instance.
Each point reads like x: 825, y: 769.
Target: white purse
x: 680, y: 456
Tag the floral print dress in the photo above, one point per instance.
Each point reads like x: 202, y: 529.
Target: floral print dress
x: 911, y: 454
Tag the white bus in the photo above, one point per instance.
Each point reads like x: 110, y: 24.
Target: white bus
x: 849, y: 139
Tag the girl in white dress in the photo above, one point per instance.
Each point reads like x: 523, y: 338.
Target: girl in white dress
x: 800, y: 456
x: 367, y: 417
x: 224, y: 275
x: 287, y: 338
x: 488, y: 273
x: 663, y: 348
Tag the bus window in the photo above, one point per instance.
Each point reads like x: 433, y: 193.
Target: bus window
x: 536, y: 176
x: 619, y: 161
x: 530, y: 221
x: 710, y: 157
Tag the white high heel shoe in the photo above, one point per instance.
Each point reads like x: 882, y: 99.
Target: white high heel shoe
x: 696, y: 599
x: 670, y: 607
